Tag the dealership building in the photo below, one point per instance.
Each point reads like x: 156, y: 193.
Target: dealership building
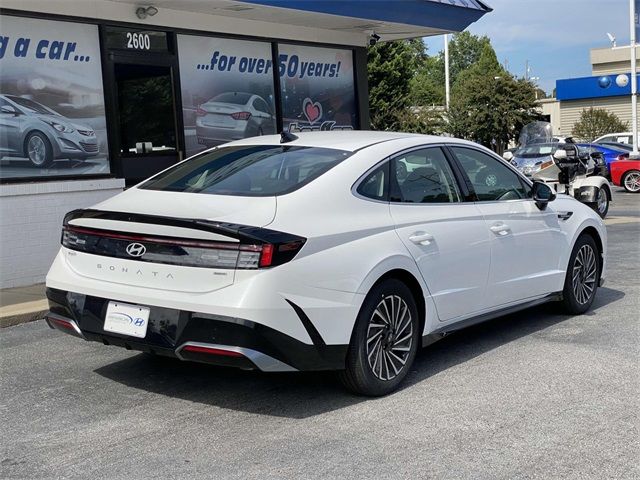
x: 602, y: 90
x: 96, y: 95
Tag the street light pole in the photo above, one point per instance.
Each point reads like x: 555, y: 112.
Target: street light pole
x: 447, y: 92
x: 634, y: 82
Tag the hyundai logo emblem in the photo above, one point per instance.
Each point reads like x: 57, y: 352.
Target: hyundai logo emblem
x: 136, y: 249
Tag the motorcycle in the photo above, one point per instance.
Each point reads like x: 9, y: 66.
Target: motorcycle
x: 560, y: 163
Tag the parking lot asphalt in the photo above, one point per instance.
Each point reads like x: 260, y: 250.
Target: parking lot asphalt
x: 536, y: 394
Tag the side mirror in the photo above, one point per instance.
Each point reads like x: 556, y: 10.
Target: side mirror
x: 9, y: 109
x: 543, y: 194
x: 508, y: 156
x: 560, y: 154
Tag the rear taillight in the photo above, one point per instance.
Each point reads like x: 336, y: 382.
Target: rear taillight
x: 200, y: 112
x: 621, y: 157
x: 177, y: 251
x: 241, y: 115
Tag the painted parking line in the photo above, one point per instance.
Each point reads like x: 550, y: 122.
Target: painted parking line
x: 620, y: 220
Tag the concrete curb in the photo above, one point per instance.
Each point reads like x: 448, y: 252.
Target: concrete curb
x: 23, y: 313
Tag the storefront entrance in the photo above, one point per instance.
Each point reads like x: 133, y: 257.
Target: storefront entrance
x: 145, y: 124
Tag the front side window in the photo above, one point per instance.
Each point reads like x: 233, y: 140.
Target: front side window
x: 490, y: 177
x: 423, y: 176
x: 253, y: 170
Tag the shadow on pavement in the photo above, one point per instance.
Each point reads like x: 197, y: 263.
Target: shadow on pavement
x: 302, y: 395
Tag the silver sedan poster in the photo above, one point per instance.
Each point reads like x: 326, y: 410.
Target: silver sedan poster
x: 227, y: 90
x: 52, y: 120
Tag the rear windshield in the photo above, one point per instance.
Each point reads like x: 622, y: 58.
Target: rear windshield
x: 254, y: 170
x: 232, y: 97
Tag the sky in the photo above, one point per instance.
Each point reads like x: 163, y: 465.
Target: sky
x: 554, y: 35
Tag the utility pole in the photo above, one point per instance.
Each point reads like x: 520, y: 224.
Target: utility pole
x: 634, y: 82
x: 447, y: 91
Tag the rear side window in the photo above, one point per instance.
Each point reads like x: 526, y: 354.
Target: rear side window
x: 253, y: 170
x: 374, y: 185
x: 423, y: 176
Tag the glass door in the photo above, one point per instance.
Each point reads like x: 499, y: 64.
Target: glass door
x: 145, y: 128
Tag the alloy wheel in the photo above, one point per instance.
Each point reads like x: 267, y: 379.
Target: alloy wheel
x: 389, y: 337
x: 37, y: 150
x: 585, y: 270
x: 602, y: 201
x: 632, y: 182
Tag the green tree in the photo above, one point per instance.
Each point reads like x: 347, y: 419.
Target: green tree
x: 595, y: 122
x: 428, y: 85
x: 465, y: 50
x: 489, y: 105
x: 391, y: 67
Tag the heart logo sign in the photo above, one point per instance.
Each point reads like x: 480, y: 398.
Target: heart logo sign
x: 312, y: 110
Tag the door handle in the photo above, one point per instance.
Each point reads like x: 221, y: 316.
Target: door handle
x: 421, y: 238
x: 500, y: 229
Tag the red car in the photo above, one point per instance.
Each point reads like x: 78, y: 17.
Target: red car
x: 626, y: 173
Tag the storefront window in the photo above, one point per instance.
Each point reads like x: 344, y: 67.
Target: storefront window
x: 52, y: 120
x: 317, y: 88
x: 227, y: 90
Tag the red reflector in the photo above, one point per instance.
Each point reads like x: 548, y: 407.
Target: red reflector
x: 61, y: 323
x: 266, y: 259
x: 241, y: 115
x: 211, y: 351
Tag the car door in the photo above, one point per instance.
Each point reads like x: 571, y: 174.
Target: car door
x: 526, y: 242
x: 445, y: 235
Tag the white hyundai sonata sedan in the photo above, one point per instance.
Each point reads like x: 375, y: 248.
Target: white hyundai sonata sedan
x: 326, y: 251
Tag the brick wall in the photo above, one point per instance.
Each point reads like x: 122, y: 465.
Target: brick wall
x: 30, y: 221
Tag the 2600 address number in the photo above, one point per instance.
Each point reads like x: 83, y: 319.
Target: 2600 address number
x: 138, y: 41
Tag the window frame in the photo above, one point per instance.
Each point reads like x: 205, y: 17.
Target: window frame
x: 526, y: 183
x: 459, y: 179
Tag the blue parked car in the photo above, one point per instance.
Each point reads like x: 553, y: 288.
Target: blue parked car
x: 610, y: 153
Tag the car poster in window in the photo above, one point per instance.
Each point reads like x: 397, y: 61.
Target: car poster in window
x: 52, y: 119
x: 317, y: 88
x: 227, y: 90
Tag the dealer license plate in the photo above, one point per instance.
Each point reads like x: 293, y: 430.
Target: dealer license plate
x: 126, y: 319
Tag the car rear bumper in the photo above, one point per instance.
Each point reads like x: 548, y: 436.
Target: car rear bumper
x: 194, y: 336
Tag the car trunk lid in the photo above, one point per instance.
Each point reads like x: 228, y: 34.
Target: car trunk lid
x: 179, y: 241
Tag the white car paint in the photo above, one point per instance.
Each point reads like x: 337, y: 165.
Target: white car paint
x: 466, y: 267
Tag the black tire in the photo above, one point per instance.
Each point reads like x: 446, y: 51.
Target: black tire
x: 42, y: 158
x: 626, y: 176
x: 359, y: 375
x: 596, y: 206
x: 581, y: 271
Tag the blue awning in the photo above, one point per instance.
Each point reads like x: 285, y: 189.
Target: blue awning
x: 417, y: 17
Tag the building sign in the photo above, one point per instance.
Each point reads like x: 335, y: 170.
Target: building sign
x: 317, y: 88
x: 227, y: 90
x: 52, y: 119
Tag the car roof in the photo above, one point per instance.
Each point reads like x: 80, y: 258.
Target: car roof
x: 349, y: 140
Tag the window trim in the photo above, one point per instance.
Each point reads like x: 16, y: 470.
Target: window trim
x: 457, y: 176
x: 523, y: 179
